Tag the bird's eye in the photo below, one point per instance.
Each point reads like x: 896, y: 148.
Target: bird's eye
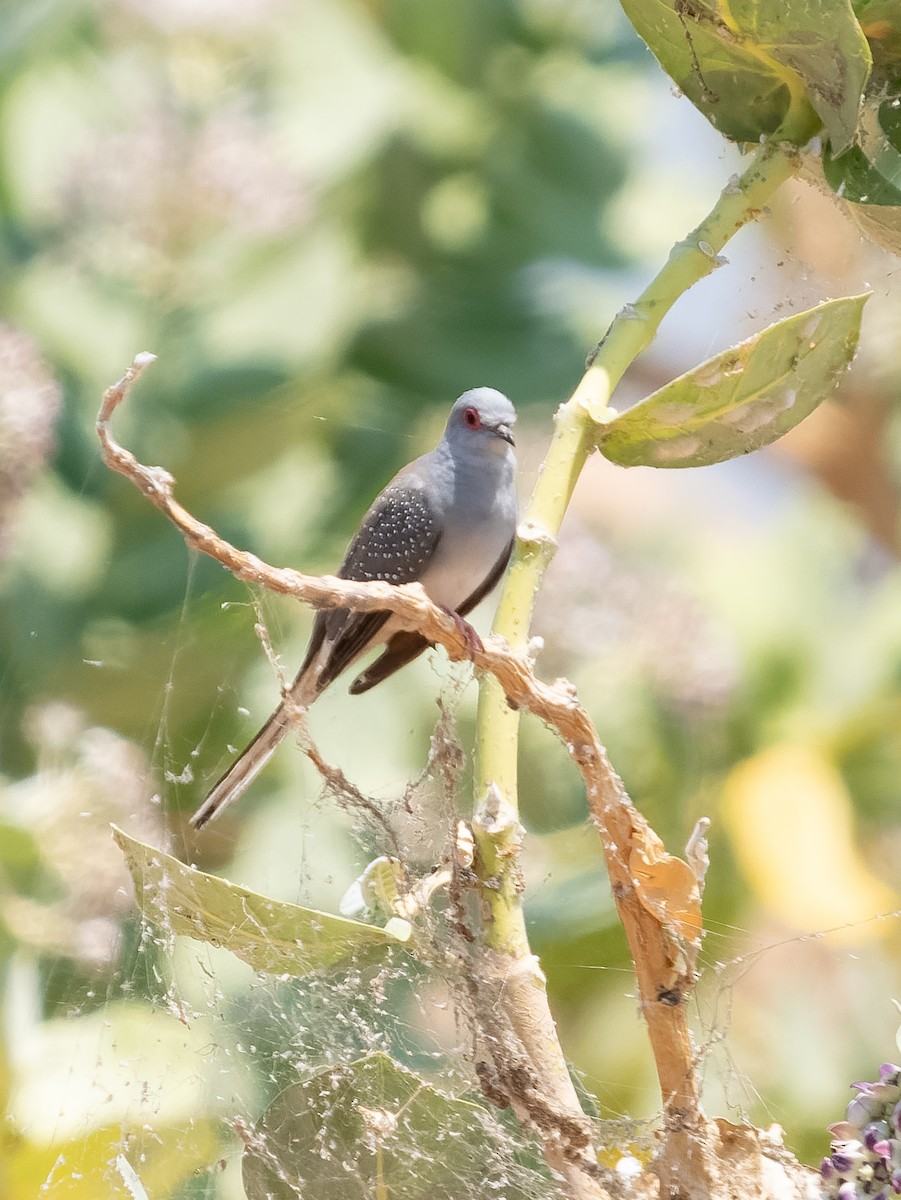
x: 472, y: 418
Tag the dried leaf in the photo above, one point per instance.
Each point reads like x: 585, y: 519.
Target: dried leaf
x: 667, y: 887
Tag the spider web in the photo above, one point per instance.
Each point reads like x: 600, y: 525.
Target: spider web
x: 147, y: 1064
x: 208, y: 1046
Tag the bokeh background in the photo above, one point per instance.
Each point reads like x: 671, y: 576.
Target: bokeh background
x: 327, y: 219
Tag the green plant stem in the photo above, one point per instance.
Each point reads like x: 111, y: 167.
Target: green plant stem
x: 576, y: 423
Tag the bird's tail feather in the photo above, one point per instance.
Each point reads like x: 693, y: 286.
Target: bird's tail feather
x: 245, y: 768
x: 402, y: 648
x: 241, y: 774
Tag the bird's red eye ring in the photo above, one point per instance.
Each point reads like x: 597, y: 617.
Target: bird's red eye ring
x: 472, y: 418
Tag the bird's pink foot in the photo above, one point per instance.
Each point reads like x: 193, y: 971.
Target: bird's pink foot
x: 470, y: 638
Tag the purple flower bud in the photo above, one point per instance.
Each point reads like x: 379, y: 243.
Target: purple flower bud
x: 846, y: 1156
x: 889, y: 1073
x: 883, y: 1089
x: 896, y: 1182
x: 883, y: 1149
x: 864, y: 1108
x: 847, y: 1191
x: 843, y: 1130
x: 878, y: 1131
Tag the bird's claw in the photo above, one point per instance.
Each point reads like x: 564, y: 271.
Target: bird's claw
x: 470, y: 638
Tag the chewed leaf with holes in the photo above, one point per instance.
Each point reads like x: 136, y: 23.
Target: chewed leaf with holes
x: 751, y: 67
x: 742, y: 399
x: 371, y: 1128
x: 270, y: 935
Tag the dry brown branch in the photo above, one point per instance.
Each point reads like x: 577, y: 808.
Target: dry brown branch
x: 657, y: 895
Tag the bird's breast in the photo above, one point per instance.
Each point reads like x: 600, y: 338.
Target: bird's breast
x: 465, y: 556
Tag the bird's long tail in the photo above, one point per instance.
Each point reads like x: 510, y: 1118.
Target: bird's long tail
x: 245, y: 768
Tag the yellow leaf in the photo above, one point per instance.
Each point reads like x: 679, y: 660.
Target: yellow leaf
x: 790, y: 818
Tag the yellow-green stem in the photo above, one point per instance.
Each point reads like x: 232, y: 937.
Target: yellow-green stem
x: 574, y: 437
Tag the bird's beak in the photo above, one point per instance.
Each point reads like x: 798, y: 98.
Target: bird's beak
x: 505, y: 432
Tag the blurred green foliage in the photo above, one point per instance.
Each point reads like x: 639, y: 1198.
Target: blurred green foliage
x: 328, y: 220
x: 326, y: 226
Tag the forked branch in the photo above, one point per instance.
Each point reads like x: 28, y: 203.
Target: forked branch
x: 657, y: 895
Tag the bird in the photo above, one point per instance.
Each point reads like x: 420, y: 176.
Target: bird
x: 447, y: 521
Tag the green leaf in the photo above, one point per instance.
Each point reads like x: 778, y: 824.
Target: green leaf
x: 744, y: 96
x: 869, y: 173
x: 752, y: 67
x: 853, y: 177
x: 742, y: 399
x: 270, y: 935
x: 372, y: 1128
x: 889, y: 117
x: 823, y: 44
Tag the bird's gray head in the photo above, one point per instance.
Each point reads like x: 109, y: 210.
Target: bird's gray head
x: 482, y: 419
